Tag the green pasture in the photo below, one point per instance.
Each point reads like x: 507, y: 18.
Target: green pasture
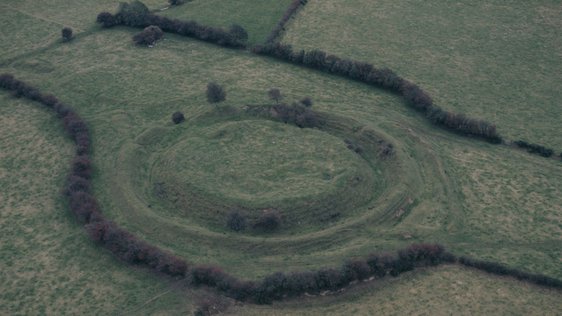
x: 494, y: 60
x: 172, y: 185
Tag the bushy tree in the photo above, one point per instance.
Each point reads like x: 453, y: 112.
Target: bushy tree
x: 236, y: 221
x: 148, y: 36
x: 107, y: 19
x: 178, y: 117
x: 133, y: 14
x: 215, y: 93
x: 66, y: 34
x: 275, y: 95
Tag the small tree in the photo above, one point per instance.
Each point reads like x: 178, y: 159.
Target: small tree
x: 236, y: 221
x: 66, y: 34
x: 239, y: 32
x: 275, y: 95
x: 148, y: 36
x: 178, y: 117
x: 134, y: 13
x: 215, y: 93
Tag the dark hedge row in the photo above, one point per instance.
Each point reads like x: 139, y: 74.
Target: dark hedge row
x: 279, y: 28
x: 280, y: 285
x: 73, y: 124
x: 383, y: 78
x: 499, y: 269
x: 534, y: 148
x: 136, y: 14
x: 130, y: 249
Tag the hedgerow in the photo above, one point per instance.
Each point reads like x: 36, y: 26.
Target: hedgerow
x: 136, y: 14
x: 386, y: 79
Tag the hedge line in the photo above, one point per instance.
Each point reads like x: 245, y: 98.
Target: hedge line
x: 132, y: 250
x: 535, y: 148
x: 280, y: 27
x: 136, y: 14
x: 386, y: 79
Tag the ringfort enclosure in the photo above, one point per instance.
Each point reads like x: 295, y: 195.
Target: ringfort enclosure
x: 280, y: 157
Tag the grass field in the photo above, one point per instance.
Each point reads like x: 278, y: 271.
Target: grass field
x: 495, y: 60
x: 475, y: 198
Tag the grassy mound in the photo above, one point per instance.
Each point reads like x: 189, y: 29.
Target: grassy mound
x: 204, y: 171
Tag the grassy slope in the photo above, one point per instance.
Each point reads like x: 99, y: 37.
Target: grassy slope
x: 494, y: 60
x: 225, y: 13
x: 48, y: 264
x: 36, y: 25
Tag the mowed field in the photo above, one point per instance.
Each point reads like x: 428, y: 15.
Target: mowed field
x: 486, y: 201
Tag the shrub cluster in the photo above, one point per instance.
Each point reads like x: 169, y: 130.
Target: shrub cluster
x: 66, y: 34
x: 215, y: 93
x: 136, y: 14
x: 178, y: 117
x: 297, y: 114
x: 499, y: 269
x: 383, y: 78
x: 534, y: 148
x: 148, y: 36
x: 269, y: 221
x: 280, y: 27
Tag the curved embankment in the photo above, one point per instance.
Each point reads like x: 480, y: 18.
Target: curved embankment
x: 276, y: 286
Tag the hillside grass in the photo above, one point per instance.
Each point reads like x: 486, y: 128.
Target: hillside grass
x: 487, y: 201
x: 496, y: 61
x: 49, y: 266
x: 34, y: 26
